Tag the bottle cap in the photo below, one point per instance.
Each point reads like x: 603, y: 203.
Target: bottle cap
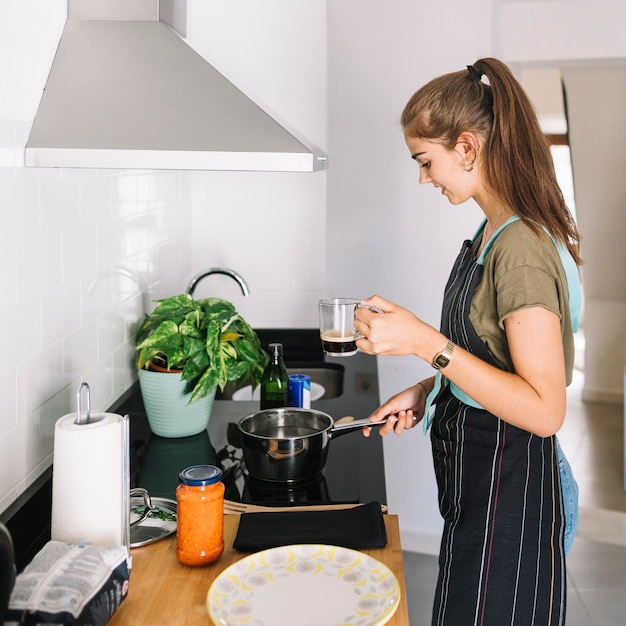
x: 276, y: 349
x: 200, y: 475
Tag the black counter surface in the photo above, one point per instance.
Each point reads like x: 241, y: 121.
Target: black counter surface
x: 354, y: 470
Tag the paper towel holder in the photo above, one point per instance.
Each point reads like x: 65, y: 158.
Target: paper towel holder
x: 79, y: 409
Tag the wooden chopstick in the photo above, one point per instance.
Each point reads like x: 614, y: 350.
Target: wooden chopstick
x: 235, y: 508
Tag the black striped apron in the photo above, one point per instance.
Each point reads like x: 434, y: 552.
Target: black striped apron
x: 502, y: 560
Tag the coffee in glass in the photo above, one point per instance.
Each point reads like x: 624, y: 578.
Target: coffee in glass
x: 337, y: 330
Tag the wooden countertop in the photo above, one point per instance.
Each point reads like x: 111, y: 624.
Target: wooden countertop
x: 165, y: 592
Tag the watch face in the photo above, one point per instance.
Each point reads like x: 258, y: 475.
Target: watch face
x: 441, y: 360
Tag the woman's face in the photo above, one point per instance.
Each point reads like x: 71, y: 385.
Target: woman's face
x: 445, y: 169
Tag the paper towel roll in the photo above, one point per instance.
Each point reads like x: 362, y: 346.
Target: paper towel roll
x: 88, y: 480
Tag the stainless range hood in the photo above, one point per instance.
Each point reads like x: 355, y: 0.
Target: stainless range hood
x: 125, y: 91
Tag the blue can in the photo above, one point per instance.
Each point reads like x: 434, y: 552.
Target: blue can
x: 300, y: 391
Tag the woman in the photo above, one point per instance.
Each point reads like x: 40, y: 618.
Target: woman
x: 504, y: 353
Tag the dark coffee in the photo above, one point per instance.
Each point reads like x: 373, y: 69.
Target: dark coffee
x: 338, y: 346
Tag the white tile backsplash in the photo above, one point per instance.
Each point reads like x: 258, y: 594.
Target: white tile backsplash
x: 39, y: 377
x: 85, y: 247
x: 8, y: 278
x: 8, y: 391
x: 79, y: 253
x: 60, y: 312
x: 20, y: 325
x: 96, y: 198
x: 59, y: 205
x: 271, y: 229
x: 80, y: 351
x: 8, y: 470
x: 39, y: 263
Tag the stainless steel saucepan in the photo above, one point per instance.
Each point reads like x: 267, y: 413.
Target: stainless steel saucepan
x: 290, y: 444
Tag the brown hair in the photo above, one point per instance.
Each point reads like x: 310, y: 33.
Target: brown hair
x: 516, y: 160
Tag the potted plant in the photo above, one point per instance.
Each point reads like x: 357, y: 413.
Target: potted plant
x: 187, y: 348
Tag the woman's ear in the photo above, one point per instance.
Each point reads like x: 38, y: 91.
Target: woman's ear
x: 468, y: 145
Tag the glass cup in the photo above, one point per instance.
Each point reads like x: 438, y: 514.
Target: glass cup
x: 337, y: 330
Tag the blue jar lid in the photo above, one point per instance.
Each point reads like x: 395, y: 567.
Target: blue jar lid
x: 300, y: 378
x: 200, y: 475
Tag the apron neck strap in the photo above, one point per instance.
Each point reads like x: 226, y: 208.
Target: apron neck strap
x: 483, y: 254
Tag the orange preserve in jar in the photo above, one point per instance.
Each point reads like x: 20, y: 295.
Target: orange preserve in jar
x: 200, y: 531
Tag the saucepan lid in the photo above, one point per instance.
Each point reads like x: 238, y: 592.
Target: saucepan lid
x: 148, y: 526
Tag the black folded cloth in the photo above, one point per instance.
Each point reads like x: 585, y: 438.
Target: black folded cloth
x: 359, y: 528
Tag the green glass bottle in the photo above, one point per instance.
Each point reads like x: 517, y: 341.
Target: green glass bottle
x: 275, y: 383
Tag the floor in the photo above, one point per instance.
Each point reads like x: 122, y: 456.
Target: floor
x: 593, y: 440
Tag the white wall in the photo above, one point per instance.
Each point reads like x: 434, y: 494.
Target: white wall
x: 597, y: 127
x: 562, y: 30
x: 585, y: 40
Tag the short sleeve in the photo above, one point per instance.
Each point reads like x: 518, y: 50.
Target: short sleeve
x: 523, y: 269
x: 525, y: 286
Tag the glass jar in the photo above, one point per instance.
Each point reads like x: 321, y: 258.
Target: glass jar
x: 200, y: 530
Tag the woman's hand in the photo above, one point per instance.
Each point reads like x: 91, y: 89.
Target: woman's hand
x: 389, y: 329
x: 405, y: 410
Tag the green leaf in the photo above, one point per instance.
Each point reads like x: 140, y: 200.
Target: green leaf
x: 228, y: 350
x: 175, y: 306
x: 205, y: 385
x: 164, y: 335
x: 237, y: 371
x: 196, y: 358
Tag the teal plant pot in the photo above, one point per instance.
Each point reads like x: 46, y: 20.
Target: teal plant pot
x: 167, y: 405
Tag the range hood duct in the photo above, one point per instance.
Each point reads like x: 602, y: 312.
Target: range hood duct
x: 130, y: 93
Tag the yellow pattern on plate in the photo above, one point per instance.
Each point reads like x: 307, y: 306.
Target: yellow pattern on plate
x: 308, y: 585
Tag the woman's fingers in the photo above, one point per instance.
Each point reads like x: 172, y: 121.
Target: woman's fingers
x: 403, y: 410
x: 396, y: 423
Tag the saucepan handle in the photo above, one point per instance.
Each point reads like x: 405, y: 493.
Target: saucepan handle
x: 340, y: 427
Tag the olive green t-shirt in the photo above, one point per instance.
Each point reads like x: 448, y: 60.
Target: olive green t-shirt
x: 522, y: 270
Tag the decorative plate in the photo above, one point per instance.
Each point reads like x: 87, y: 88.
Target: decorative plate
x: 308, y: 585
x: 246, y: 393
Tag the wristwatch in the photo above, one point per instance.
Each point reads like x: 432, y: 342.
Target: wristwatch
x: 443, y: 358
